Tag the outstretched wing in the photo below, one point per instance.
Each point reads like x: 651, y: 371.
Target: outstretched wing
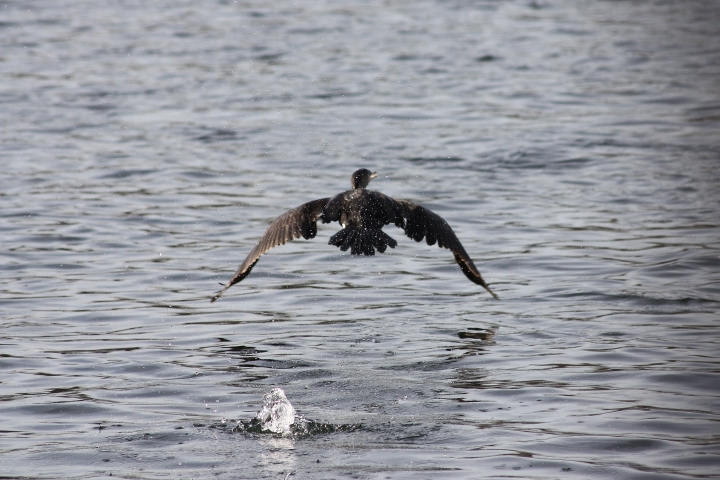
x: 422, y: 223
x: 295, y: 223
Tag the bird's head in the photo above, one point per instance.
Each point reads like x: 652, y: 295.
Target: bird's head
x: 361, y: 178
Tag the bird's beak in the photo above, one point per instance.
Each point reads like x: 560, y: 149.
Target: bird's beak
x: 373, y: 175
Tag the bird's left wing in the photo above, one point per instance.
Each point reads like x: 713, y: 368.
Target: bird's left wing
x: 295, y: 223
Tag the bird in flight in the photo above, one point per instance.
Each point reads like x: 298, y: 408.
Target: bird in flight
x: 362, y: 214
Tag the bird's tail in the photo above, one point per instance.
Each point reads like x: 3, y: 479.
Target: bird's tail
x: 362, y: 241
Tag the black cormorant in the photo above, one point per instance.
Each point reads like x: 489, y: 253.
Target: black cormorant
x: 362, y: 214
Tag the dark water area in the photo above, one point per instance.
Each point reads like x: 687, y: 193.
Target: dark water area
x: 573, y: 147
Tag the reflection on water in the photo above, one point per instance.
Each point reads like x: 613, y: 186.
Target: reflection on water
x: 278, y: 455
x: 572, y: 146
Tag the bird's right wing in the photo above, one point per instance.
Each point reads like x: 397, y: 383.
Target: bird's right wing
x: 295, y: 223
x: 420, y: 222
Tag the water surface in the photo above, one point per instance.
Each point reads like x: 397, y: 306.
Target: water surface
x: 573, y: 147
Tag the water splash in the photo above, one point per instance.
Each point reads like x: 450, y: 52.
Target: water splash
x: 277, y: 414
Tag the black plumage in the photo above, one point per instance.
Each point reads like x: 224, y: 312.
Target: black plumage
x: 362, y: 214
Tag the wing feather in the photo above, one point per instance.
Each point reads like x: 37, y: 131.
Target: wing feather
x: 420, y: 222
x: 295, y: 223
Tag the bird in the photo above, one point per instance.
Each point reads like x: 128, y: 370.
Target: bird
x: 362, y: 213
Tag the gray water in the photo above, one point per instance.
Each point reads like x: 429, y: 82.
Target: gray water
x: 572, y: 145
